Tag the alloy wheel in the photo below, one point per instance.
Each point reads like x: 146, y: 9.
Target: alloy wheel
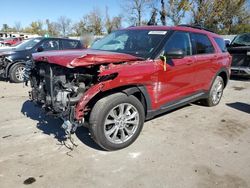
x: 121, y: 123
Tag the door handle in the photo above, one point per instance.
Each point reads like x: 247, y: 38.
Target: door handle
x: 216, y: 57
x: 189, y: 62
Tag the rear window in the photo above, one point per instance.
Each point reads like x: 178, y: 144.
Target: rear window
x: 221, y: 43
x: 202, y: 44
x: 70, y: 44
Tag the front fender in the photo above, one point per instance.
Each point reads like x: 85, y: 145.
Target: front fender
x: 10, y: 64
x: 141, y: 74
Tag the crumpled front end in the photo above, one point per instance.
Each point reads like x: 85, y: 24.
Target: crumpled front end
x: 58, y: 88
x: 4, y: 65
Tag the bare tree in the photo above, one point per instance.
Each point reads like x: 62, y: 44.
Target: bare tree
x: 177, y: 9
x: 135, y: 10
x: 52, y: 28
x: 64, y: 24
x: 95, y: 22
x: 163, y: 13
x: 152, y: 20
x: 112, y: 24
x: 17, y: 26
x: 81, y: 26
x: 116, y: 22
x: 108, y: 22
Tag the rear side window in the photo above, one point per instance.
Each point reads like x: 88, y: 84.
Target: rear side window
x: 70, y: 44
x: 179, y: 40
x: 221, y: 43
x: 202, y: 44
x: 50, y: 44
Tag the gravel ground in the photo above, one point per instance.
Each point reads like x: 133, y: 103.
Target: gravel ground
x: 193, y: 146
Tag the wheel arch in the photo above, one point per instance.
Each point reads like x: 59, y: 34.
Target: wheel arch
x: 223, y: 72
x: 139, y: 91
x: 10, y: 65
x: 224, y: 75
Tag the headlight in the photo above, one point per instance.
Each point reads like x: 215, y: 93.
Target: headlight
x: 8, y: 58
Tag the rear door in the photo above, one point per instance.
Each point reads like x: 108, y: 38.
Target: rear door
x: 205, y: 66
x: 176, y: 82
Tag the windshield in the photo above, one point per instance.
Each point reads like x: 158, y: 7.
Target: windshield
x: 135, y: 42
x: 28, y: 44
x: 241, y: 40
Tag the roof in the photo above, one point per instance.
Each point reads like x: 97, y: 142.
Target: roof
x: 177, y: 28
x: 55, y: 38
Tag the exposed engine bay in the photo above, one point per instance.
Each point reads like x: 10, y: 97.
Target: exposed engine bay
x: 58, y: 89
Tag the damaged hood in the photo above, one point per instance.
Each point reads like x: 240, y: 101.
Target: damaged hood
x: 80, y: 58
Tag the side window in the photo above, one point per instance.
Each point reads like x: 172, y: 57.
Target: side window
x: 179, y: 40
x: 50, y: 44
x: 70, y: 44
x: 202, y: 44
x: 221, y: 43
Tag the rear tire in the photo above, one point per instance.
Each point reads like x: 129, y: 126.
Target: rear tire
x: 215, y: 93
x: 16, y: 73
x: 116, y: 121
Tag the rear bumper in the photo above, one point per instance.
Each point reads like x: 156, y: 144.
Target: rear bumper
x: 240, y: 71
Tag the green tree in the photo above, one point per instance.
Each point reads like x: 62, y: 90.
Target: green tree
x: 36, y: 27
x: 222, y: 16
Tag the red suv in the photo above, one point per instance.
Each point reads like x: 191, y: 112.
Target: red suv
x: 128, y: 77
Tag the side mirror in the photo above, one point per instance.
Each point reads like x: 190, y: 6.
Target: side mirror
x: 227, y: 45
x: 40, y: 49
x: 174, y: 54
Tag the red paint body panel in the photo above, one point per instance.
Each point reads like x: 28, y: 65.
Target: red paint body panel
x: 12, y: 41
x: 81, y: 58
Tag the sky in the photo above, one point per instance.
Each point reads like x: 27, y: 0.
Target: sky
x: 26, y: 11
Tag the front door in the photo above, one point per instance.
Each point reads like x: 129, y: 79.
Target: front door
x: 176, y: 81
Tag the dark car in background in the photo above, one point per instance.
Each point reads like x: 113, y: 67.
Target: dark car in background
x: 240, y: 51
x: 12, y: 62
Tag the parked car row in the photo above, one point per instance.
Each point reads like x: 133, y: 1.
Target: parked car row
x: 12, y: 61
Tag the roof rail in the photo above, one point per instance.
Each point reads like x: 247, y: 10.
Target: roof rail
x: 196, y: 26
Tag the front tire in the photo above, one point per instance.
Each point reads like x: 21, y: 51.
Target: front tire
x: 116, y: 121
x: 215, y: 93
x: 16, y: 73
